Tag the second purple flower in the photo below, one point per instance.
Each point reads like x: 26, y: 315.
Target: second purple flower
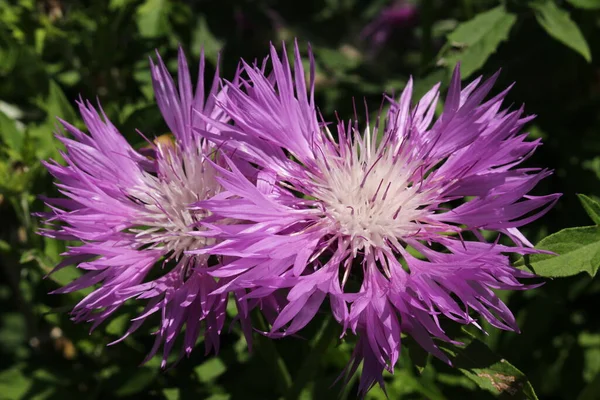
x: 383, y: 219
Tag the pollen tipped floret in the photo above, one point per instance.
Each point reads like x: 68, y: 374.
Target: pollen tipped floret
x: 166, y: 221
x: 368, y: 194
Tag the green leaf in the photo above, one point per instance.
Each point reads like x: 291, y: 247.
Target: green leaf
x: 203, y: 38
x: 592, y: 207
x: 339, y: 60
x: 136, y: 381
x: 491, y: 372
x: 578, y: 251
x: 63, y: 276
x: 586, y: 4
x: 473, y: 42
x: 5, y: 247
x: 590, y: 392
x: 561, y: 27
x: 171, y: 393
x: 16, y: 178
x: 592, y: 165
x: 40, y: 40
x: 118, y: 325
x: 219, y: 396
x: 10, y: 134
x: 153, y: 18
x: 57, y: 105
x: 13, y: 332
x: 210, y: 369
x: 405, y: 385
x: 14, y: 383
x: 119, y: 4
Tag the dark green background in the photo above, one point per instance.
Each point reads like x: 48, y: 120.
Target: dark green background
x: 53, y: 51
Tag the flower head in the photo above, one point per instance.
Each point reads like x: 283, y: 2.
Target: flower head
x: 133, y: 217
x: 385, y: 222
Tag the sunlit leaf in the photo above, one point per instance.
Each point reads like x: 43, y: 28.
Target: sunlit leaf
x: 590, y: 392
x: 10, y: 135
x: 491, y: 372
x: 118, y: 4
x: 135, y: 380
x: 560, y: 26
x: 586, y: 4
x: 171, y: 393
x: 592, y: 207
x: 13, y: 332
x: 577, y: 249
x: 118, y: 325
x: 4, y: 246
x: 153, y: 18
x: 210, y: 369
x: 14, y: 384
x: 57, y: 105
x: 203, y: 38
x: 474, y: 41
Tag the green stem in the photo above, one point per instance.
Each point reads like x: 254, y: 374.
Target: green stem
x: 350, y: 384
x: 327, y: 334
x: 267, y: 349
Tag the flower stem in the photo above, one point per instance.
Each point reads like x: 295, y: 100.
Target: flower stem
x: 327, y: 334
x: 270, y: 354
x: 348, y: 387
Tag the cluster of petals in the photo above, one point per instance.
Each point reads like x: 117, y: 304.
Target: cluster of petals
x: 384, y: 222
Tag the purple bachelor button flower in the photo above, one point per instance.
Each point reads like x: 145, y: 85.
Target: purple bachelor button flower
x: 385, y: 221
x: 399, y: 16
x: 131, y: 214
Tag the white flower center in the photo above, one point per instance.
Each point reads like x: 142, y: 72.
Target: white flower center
x: 369, y: 197
x: 166, y: 221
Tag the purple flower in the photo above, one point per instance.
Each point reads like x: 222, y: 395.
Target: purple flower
x: 384, y: 221
x: 131, y: 214
x: 400, y: 15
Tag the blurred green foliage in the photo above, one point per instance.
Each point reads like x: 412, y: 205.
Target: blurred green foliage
x: 53, y: 51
